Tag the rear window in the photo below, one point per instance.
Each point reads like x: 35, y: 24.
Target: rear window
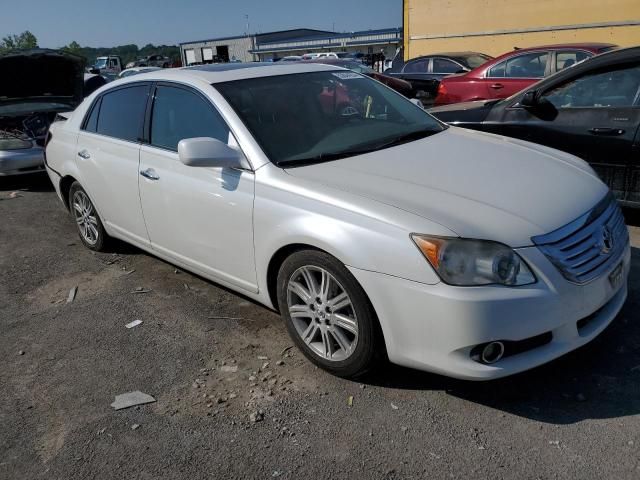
x: 474, y: 61
x: 122, y: 113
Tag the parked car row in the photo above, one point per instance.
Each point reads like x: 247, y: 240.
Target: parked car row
x: 507, y: 74
x: 465, y: 76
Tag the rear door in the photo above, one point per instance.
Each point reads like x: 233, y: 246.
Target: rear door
x: 595, y: 116
x: 108, y: 154
x: 516, y: 73
x: 201, y: 217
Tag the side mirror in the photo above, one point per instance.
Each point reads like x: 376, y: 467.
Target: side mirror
x: 208, y: 152
x: 529, y: 99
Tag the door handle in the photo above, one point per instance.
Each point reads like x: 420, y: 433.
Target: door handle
x: 606, y: 131
x: 497, y: 86
x: 150, y: 173
x: 84, y: 154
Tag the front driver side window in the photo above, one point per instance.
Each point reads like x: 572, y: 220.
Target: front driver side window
x: 178, y: 114
x: 612, y: 88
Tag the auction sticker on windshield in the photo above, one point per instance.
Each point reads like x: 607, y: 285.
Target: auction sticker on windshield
x: 346, y: 75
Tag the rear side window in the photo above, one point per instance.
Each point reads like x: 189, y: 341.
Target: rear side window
x: 442, y: 65
x: 122, y: 113
x: 92, y: 122
x: 179, y: 114
x: 567, y: 59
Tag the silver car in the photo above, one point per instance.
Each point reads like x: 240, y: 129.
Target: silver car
x: 43, y: 83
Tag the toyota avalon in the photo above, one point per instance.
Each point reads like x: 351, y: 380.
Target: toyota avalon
x: 375, y: 230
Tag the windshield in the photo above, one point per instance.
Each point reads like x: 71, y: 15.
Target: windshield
x: 320, y: 116
x: 101, y: 63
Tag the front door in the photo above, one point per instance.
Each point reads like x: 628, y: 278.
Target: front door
x: 108, y: 154
x: 594, y: 116
x: 199, y: 216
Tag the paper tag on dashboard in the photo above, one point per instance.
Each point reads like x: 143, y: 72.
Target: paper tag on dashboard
x: 346, y: 75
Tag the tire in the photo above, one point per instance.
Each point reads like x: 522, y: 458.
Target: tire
x: 343, y: 336
x: 90, y: 228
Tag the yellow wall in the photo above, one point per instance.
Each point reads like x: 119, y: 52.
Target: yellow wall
x: 454, y: 17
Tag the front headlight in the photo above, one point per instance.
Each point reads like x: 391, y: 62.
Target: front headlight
x: 13, y: 143
x: 465, y: 262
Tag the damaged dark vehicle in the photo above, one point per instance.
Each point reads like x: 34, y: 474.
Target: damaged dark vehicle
x: 36, y: 85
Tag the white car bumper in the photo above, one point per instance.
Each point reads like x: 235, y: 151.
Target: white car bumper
x: 435, y: 327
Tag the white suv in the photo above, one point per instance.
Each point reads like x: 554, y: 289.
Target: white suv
x: 374, y: 229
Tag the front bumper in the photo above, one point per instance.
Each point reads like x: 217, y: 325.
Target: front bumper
x: 19, y: 162
x: 435, y: 327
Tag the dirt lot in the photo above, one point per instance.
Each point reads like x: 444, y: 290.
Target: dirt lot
x: 212, y: 359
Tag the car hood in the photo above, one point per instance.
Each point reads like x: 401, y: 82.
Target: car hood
x: 465, y: 112
x: 476, y: 184
x: 41, y: 76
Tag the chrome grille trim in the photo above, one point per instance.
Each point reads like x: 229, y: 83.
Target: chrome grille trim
x: 576, y: 249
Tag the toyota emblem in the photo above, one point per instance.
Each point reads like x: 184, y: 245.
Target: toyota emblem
x: 606, y: 243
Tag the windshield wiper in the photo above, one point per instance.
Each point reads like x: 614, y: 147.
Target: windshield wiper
x: 407, y: 137
x: 327, y: 157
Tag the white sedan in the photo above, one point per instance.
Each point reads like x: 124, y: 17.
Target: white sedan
x: 376, y: 231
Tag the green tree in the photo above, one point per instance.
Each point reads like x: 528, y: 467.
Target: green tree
x: 24, y: 41
x: 73, y: 47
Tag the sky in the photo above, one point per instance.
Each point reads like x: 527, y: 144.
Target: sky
x: 107, y: 23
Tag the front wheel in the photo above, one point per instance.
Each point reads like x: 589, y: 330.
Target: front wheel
x: 328, y: 314
x: 89, y: 225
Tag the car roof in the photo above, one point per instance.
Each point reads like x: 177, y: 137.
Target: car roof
x: 451, y: 54
x: 225, y: 72
x: 593, y: 47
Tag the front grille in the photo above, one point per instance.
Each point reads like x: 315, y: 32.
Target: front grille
x: 590, y: 245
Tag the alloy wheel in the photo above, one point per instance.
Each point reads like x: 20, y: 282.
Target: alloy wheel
x: 86, y: 218
x: 322, y: 313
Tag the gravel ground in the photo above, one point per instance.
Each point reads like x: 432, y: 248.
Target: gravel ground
x: 215, y: 362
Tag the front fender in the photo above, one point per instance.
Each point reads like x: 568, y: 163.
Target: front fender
x: 360, y: 232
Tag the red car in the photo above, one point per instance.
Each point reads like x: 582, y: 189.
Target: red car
x: 509, y: 73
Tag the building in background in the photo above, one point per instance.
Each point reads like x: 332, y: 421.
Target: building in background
x: 275, y: 45
x: 497, y: 26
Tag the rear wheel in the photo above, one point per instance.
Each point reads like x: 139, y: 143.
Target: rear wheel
x: 89, y: 225
x: 327, y: 314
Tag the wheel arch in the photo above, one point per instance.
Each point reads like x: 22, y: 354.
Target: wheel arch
x: 65, y: 188
x: 278, y: 258
x: 276, y: 261
x: 282, y: 254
